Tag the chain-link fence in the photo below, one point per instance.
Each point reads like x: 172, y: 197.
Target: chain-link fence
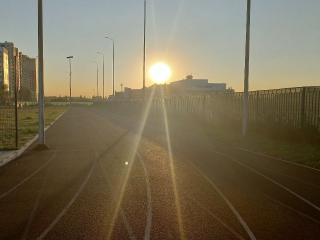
x: 18, y: 126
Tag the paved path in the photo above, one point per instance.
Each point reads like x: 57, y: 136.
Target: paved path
x: 101, y: 180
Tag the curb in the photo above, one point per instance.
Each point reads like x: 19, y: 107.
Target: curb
x: 17, y: 153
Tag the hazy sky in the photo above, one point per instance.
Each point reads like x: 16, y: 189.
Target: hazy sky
x: 203, y: 37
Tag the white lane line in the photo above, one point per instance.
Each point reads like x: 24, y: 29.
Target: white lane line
x: 278, y: 184
x: 123, y: 214
x: 35, y: 207
x: 264, y: 195
x: 243, y: 149
x: 215, y: 217
x: 149, y: 207
x: 30, y: 176
x: 222, y: 143
x: 243, y: 223
x: 70, y: 203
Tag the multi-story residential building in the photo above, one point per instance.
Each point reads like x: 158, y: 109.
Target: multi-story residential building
x: 14, y: 69
x: 4, y: 67
x: 29, y: 76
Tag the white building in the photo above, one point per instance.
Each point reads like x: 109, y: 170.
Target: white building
x: 190, y: 86
x: 4, y: 67
x: 14, y: 69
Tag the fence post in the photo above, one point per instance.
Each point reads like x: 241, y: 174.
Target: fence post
x: 303, y: 114
x: 16, y: 98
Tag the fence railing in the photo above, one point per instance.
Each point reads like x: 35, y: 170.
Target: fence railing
x: 291, y: 107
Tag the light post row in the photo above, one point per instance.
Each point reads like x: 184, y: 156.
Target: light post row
x: 41, y: 70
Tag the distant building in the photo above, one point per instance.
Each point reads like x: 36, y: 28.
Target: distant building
x: 13, y: 64
x: 4, y: 67
x: 29, y: 76
x: 190, y: 86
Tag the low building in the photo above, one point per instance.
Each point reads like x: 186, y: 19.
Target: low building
x: 190, y: 87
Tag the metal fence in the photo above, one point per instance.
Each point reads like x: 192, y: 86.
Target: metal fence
x: 16, y: 125
x: 297, y: 108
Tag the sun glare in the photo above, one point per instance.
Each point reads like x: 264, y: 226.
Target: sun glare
x: 160, y: 72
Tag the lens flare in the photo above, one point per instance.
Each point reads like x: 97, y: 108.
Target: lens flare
x: 160, y: 72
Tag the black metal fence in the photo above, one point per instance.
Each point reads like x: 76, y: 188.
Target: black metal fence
x: 297, y: 108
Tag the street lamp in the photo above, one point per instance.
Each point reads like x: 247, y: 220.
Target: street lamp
x: 112, y: 68
x: 97, y: 78
x: 246, y: 73
x: 41, y: 143
x: 144, y: 50
x: 70, y: 77
x: 103, y: 75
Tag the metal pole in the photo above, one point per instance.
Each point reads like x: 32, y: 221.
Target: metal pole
x: 144, y: 51
x: 97, y: 80
x: 103, y: 79
x: 70, y: 80
x: 41, y: 75
x: 246, y: 73
x: 113, y: 72
x: 103, y: 74
x: 112, y: 69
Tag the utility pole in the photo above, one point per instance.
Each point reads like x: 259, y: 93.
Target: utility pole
x: 41, y: 143
x: 144, y: 51
x: 70, y: 77
x: 103, y: 76
x: 246, y: 73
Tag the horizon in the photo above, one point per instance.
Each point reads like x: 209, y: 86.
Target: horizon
x: 284, y: 49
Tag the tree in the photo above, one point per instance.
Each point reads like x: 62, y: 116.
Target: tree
x: 24, y: 94
x: 4, y: 93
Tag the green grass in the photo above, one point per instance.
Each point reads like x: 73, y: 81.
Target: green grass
x: 301, y: 151
x: 27, y: 124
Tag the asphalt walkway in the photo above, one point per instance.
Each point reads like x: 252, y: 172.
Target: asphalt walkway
x: 110, y: 177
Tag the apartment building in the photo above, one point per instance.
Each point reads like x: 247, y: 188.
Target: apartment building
x: 4, y: 67
x: 14, y: 68
x: 29, y: 76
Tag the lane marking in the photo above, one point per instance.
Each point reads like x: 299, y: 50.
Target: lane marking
x: 243, y: 223
x: 222, y: 143
x: 30, y: 176
x: 219, y: 220
x: 57, y: 219
x: 149, y: 204
x: 244, y: 165
x: 123, y: 214
x: 35, y: 207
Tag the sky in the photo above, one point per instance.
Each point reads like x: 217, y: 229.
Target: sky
x: 202, y: 37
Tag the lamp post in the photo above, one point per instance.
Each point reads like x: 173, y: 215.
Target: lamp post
x: 41, y: 143
x: 246, y: 73
x: 103, y: 75
x: 97, y: 78
x: 144, y: 50
x: 112, y: 68
x: 70, y: 77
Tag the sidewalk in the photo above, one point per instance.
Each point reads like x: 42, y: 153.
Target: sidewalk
x: 6, y: 155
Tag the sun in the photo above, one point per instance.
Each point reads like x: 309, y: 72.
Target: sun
x: 160, y: 72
